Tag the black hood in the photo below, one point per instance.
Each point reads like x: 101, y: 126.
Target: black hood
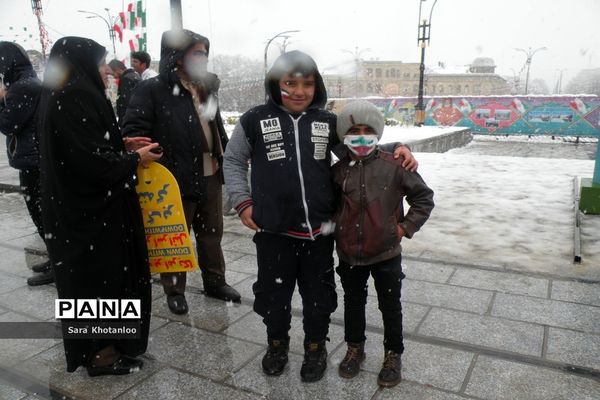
x: 173, y: 46
x: 290, y: 63
x: 14, y: 63
x: 74, y: 60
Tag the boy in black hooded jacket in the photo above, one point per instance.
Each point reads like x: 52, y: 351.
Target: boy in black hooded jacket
x: 289, y: 142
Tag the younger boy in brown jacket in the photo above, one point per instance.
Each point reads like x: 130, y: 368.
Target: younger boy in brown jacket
x: 370, y: 223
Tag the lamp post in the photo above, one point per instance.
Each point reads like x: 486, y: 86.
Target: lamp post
x: 109, y: 23
x: 356, y: 53
x: 422, y: 38
x: 529, y: 53
x: 280, y: 34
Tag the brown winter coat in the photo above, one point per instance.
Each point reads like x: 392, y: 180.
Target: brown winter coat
x: 370, y: 207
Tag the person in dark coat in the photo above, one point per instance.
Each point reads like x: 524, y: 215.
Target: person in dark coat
x: 20, y: 91
x: 128, y: 80
x: 91, y: 212
x: 179, y: 109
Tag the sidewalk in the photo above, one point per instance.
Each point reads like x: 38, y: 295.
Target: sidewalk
x: 473, y: 330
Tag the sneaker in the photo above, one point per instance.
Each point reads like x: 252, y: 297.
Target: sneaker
x: 391, y: 371
x: 350, y: 365
x: 315, y: 361
x: 276, y: 357
x: 41, y: 267
x: 41, y: 279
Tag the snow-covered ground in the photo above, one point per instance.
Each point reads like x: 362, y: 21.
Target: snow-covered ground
x: 409, y: 134
x: 510, y: 211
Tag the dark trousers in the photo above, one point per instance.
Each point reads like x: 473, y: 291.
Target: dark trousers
x: 283, y: 261
x: 29, y: 180
x: 388, y: 284
x: 205, y: 218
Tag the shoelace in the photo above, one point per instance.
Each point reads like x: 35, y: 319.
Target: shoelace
x: 390, y: 361
x: 352, y: 353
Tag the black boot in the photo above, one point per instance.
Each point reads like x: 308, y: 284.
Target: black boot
x: 315, y: 361
x: 215, y: 286
x: 43, y: 278
x: 350, y: 365
x: 41, y: 267
x: 177, y: 303
x: 391, y: 371
x: 276, y: 358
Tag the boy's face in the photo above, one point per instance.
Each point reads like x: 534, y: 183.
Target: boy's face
x: 297, y: 91
x: 361, y: 140
x: 138, y: 66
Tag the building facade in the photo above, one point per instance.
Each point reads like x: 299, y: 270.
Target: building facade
x: 395, y: 78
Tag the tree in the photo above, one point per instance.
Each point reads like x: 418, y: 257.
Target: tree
x: 587, y: 81
x: 538, y: 86
x: 242, y: 82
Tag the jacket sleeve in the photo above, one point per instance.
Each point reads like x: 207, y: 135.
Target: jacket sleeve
x: 126, y: 91
x: 86, y: 154
x: 139, y: 114
x: 420, y: 198
x: 16, y: 109
x: 235, y: 169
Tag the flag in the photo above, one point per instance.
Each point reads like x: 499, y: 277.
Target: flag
x: 117, y: 29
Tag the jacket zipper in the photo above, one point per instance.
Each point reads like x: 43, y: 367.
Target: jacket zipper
x: 362, y: 207
x: 302, y: 188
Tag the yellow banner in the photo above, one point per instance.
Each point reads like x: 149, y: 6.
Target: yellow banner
x: 167, y: 237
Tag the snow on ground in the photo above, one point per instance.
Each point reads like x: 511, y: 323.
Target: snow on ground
x: 512, y: 211
x: 408, y: 134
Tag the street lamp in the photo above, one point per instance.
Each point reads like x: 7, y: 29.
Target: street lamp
x: 356, y: 53
x: 110, y: 22
x: 529, y: 53
x: 280, y: 34
x: 422, y: 38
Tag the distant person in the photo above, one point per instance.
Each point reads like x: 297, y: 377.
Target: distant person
x: 90, y: 208
x: 179, y: 109
x: 289, y: 142
x: 140, y: 62
x: 20, y: 91
x: 369, y: 226
x: 128, y: 80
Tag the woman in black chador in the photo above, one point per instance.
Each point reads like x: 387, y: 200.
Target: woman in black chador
x: 91, y: 214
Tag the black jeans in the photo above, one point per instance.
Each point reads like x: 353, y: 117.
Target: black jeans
x: 282, y: 261
x: 388, y: 284
x: 29, y: 180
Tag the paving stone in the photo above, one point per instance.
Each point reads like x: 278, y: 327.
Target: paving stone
x: 548, y: 312
x: 49, y: 369
x: 455, y: 297
x: 411, y: 391
x: 204, y: 312
x: 8, y: 392
x: 577, y: 292
x: 513, y: 336
x: 576, y: 348
x: 427, y: 364
x: 499, y: 379
x: 18, y: 263
x: 251, y: 328
x: 231, y: 277
x: 200, y: 352
x: 231, y: 256
x: 500, y: 282
x: 426, y: 271
x: 13, y: 351
x: 241, y: 245
x: 170, y: 384
x: 9, y: 283
x: 157, y: 291
x: 290, y: 386
x: 157, y: 322
x: 37, y: 301
x: 246, y: 264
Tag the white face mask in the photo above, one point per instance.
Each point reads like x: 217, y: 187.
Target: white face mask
x: 361, y: 145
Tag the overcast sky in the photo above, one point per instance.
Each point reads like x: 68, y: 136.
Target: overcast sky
x: 332, y: 30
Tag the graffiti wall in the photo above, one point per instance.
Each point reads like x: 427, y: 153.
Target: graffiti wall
x: 521, y: 115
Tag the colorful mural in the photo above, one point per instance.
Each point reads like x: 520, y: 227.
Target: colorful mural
x: 518, y: 115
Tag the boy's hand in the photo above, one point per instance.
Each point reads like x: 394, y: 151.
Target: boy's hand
x: 401, y: 232
x: 410, y: 162
x: 246, y: 217
x: 136, y: 143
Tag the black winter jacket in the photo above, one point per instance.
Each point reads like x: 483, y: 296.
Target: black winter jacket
x: 128, y: 81
x: 19, y: 108
x: 162, y: 109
